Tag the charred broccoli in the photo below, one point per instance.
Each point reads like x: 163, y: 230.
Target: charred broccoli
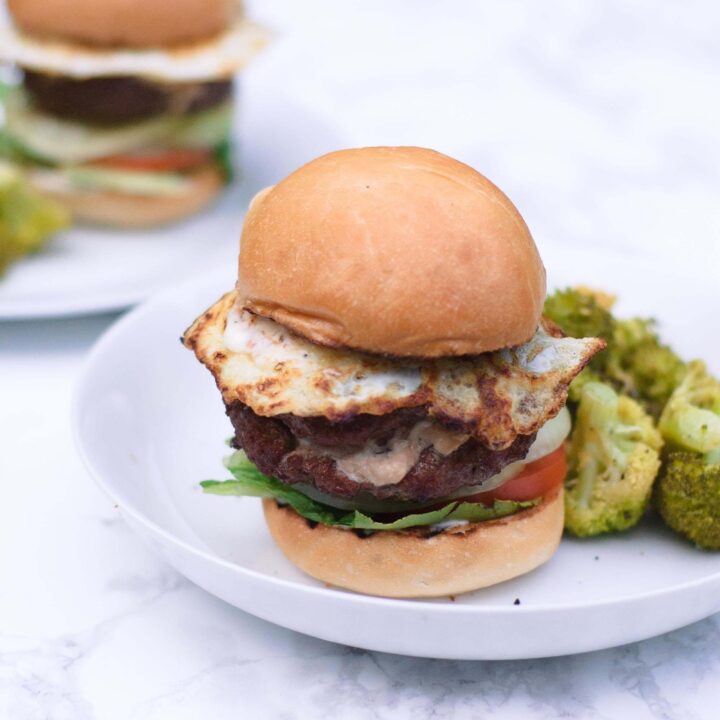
x: 687, y: 497
x: 688, y: 491
x: 635, y: 362
x: 691, y: 417
x: 613, y: 459
x: 614, y: 447
x: 582, y: 313
x: 639, y: 365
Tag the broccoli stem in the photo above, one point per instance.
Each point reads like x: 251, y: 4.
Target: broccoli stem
x: 586, y: 476
x: 694, y: 428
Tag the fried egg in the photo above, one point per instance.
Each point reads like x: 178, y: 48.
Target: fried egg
x: 217, y: 58
x: 494, y: 397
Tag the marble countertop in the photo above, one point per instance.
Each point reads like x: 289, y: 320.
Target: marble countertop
x: 601, y: 121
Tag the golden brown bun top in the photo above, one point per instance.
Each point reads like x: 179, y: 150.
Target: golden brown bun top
x: 396, y: 250
x: 128, y: 23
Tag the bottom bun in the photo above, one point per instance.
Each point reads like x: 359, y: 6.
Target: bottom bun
x: 122, y: 210
x: 418, y: 563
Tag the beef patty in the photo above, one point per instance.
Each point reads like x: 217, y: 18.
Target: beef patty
x: 304, y: 450
x: 116, y: 100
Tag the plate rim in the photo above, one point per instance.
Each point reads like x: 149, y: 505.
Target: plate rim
x: 100, y: 303
x: 110, y: 303
x: 426, y: 605
x: 116, y: 299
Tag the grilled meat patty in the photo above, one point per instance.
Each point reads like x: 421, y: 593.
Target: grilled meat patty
x: 117, y: 100
x: 355, y: 432
x: 318, y: 452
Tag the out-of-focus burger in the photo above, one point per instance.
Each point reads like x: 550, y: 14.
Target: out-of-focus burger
x: 124, y: 107
x: 398, y: 398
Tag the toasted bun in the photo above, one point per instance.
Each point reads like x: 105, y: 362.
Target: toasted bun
x: 402, y: 251
x: 120, y: 210
x: 133, y: 23
x: 410, y: 564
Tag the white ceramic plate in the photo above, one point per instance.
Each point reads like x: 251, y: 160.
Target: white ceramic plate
x: 150, y: 425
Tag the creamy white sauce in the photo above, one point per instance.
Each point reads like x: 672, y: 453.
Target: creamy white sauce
x: 380, y: 467
x: 390, y: 464
x: 447, y: 524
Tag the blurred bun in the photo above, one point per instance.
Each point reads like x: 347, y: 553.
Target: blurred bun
x: 120, y: 210
x: 414, y: 564
x: 129, y: 23
x: 395, y: 250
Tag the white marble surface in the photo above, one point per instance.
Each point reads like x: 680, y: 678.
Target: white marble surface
x: 602, y: 121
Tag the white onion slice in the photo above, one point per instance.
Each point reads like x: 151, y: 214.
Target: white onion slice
x: 549, y: 438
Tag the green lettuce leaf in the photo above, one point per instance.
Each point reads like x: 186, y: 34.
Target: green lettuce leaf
x: 13, y: 150
x: 249, y: 481
x: 223, y: 157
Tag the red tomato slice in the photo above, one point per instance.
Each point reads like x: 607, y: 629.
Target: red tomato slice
x: 160, y: 161
x: 534, y: 480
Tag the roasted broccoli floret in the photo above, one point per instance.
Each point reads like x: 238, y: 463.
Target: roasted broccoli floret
x: 635, y: 362
x: 27, y: 218
x: 688, y: 491
x: 691, y: 418
x: 582, y: 313
x: 578, y: 384
x: 687, y: 497
x: 613, y: 460
x: 639, y: 365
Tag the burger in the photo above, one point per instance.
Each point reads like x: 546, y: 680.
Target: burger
x: 396, y: 398
x: 124, y: 107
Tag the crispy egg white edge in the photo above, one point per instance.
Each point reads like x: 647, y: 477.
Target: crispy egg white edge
x: 267, y: 349
x: 264, y: 345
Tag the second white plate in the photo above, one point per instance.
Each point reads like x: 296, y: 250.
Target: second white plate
x: 92, y: 270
